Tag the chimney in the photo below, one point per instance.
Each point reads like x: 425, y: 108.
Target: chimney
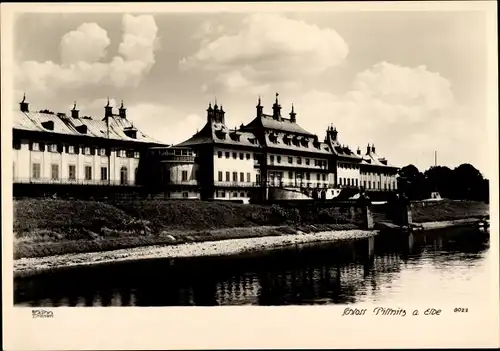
x: 259, y: 109
x: 108, y: 110
x: 373, y: 148
x: 24, y: 105
x: 293, y: 115
x: 74, y: 111
x: 221, y: 115
x: 331, y: 133
x: 358, y: 151
x: 122, y: 111
x: 368, y: 149
x: 276, y: 109
x: 210, y: 113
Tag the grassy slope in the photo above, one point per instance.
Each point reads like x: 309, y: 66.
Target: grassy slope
x: 448, y: 210
x: 50, y: 227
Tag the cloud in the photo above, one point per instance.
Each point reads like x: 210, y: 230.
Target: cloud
x: 87, y: 43
x: 165, y: 123
x: 268, y: 48
x: 407, y: 112
x: 81, y: 51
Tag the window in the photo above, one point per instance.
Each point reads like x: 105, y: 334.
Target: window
x: 317, y: 176
x: 71, y: 149
x: 316, y: 163
x: 235, y: 176
x: 219, y: 154
x: 242, y: 194
x: 104, y: 173
x: 290, y: 160
x: 53, y: 147
x: 324, y: 177
x: 242, y: 177
x: 185, y: 194
x: 87, y: 150
x: 257, y: 178
x: 241, y: 156
x: 234, y: 155
x: 369, y: 184
x: 278, y: 159
x: 122, y: 153
x: 222, y: 194
x: 72, y: 172
x: 36, y: 170
x: 271, y: 158
x: 220, y: 176
x: 248, y: 156
x: 364, y: 184
x: 307, y: 161
x: 88, y: 172
x: 124, y: 175
x: 184, y: 176
x: 308, y: 176
x: 348, y: 181
x: 290, y: 175
x: 340, y: 181
x: 36, y: 147
x: 299, y: 160
x: 356, y: 182
x: 228, y: 177
x: 102, y: 152
x: 54, y: 172
x: 248, y: 177
x: 227, y: 154
x: 137, y: 154
x: 235, y: 194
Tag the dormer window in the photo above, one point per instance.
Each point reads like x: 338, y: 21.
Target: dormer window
x: 49, y: 125
x: 71, y: 149
x: 35, y: 146
x: 82, y: 129
x: 220, y: 134
x: 102, y: 151
x: 87, y: 150
x: 131, y: 133
x: 235, y: 136
x: 53, y: 147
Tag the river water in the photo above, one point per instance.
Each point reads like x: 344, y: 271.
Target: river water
x: 434, y: 266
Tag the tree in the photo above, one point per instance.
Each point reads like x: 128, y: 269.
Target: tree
x: 411, y: 182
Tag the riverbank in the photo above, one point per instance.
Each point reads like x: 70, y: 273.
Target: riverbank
x: 44, y: 227
x: 30, y: 266
x: 48, y: 227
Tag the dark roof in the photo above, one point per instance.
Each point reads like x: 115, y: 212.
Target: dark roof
x: 218, y: 133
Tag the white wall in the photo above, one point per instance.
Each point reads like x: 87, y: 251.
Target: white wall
x: 375, y: 178
x: 24, y: 160
x: 231, y: 165
x: 350, y: 171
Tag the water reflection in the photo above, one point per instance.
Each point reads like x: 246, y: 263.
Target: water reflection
x: 365, y: 270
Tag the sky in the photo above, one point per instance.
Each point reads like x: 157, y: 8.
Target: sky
x: 411, y: 83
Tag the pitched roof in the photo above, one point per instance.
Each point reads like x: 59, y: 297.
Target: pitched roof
x: 283, y: 124
x: 62, y: 124
x: 219, y: 133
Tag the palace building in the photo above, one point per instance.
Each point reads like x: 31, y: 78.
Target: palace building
x: 270, y: 158
x: 54, y: 153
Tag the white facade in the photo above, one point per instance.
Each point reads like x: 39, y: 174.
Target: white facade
x: 60, y: 165
x: 348, y: 174
x: 234, y: 167
x: 372, y: 180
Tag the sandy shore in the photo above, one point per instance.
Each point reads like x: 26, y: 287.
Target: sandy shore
x: 29, y: 266
x: 447, y: 224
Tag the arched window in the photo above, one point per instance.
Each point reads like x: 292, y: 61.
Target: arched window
x: 123, y: 176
